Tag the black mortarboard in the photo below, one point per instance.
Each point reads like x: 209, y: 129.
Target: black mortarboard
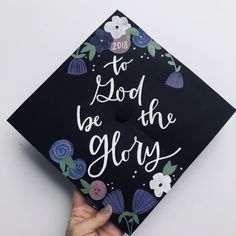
x: 122, y: 119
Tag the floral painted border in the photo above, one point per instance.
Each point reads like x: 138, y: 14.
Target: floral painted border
x: 61, y: 152
x: 117, y: 36
x: 142, y: 202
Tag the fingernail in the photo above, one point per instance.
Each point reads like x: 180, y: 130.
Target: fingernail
x: 106, y: 209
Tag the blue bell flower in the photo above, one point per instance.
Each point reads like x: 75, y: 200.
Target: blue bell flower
x: 175, y: 80
x: 143, y: 201
x: 116, y: 200
x: 77, y: 67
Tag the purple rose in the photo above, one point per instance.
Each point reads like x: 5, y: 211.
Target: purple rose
x: 60, y: 150
x: 142, y: 39
x: 79, y: 171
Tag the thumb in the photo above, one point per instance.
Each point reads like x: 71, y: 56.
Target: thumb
x: 97, y: 221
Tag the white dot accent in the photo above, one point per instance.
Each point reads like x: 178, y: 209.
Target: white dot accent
x: 141, y: 56
x: 181, y: 168
x: 107, y: 184
x: 99, y: 55
x: 93, y: 70
x: 162, y: 55
x: 134, y: 48
x: 112, y: 187
x: 144, y: 53
x: 93, y: 65
x: 147, y: 57
x: 111, y: 182
x: 144, y: 184
x: 133, y: 176
x: 135, y: 171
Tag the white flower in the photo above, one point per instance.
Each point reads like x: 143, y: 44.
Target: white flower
x: 160, y: 183
x: 117, y: 26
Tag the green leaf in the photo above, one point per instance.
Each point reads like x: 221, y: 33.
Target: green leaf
x: 85, y: 190
x: 81, y: 55
x: 74, y: 56
x: 127, y: 213
x: 65, y: 173
x: 151, y: 50
x: 178, y: 69
x: 84, y: 183
x: 155, y: 45
x: 86, y: 48
x: 167, y: 55
x: 128, y: 35
x: 133, y: 31
x: 171, y: 63
x: 124, y: 214
x: 120, y: 218
x: 70, y: 162
x: 92, y: 52
x: 168, y: 169
x: 136, y: 219
x: 62, y: 165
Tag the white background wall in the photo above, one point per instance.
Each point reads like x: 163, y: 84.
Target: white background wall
x: 35, y: 38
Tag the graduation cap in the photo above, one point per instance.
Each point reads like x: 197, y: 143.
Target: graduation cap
x: 122, y: 118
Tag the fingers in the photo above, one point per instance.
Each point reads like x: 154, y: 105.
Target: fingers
x: 112, y: 230
x: 84, y: 212
x: 98, y: 220
x: 101, y: 232
x: 78, y: 199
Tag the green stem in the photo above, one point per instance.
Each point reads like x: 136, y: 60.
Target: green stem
x: 172, y: 59
x: 77, y: 52
x: 131, y: 227
x: 127, y: 223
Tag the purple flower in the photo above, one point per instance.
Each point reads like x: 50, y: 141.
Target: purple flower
x: 143, y: 201
x: 60, y: 150
x: 142, y: 39
x: 102, y: 40
x: 116, y: 200
x: 175, y: 80
x: 77, y: 67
